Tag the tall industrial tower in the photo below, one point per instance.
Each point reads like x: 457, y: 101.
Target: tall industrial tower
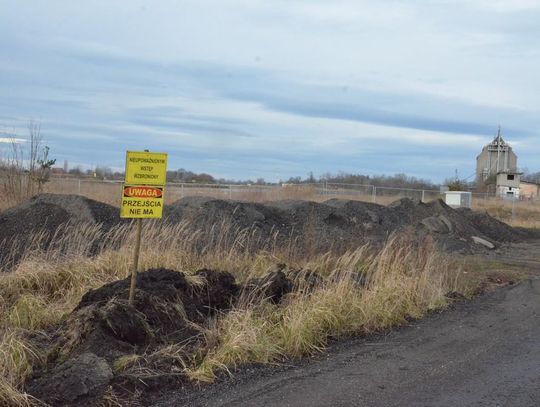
x: 496, y: 157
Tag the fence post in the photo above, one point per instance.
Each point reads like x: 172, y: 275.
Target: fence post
x: 374, y: 197
x: 230, y: 191
x: 423, y: 196
x: 182, y: 190
x: 79, y: 186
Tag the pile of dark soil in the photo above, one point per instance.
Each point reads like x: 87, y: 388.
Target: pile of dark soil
x: 170, y: 308
x: 493, y: 228
x: 47, y: 210
x: 228, y: 219
x: 166, y: 307
x: 309, y: 227
x: 342, y: 224
x: 44, y: 215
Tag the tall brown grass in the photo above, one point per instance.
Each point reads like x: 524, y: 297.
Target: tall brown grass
x: 404, y: 280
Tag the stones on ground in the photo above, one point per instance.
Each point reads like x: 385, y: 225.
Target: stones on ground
x: 435, y: 224
x: 447, y: 222
x: 483, y: 242
x: 79, y: 381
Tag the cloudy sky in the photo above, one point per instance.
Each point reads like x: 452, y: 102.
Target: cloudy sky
x: 252, y: 88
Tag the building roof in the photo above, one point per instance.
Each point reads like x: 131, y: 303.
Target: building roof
x: 498, y: 140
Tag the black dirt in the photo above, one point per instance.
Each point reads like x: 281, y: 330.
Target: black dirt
x: 79, y: 381
x: 310, y: 227
x: 169, y: 308
x: 493, y: 228
x: 45, y: 214
x: 340, y: 225
x: 216, y: 291
x: 272, y: 287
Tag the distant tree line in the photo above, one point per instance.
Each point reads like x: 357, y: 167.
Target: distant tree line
x: 394, y: 181
x: 397, y: 180
x: 186, y: 176
x: 531, y: 176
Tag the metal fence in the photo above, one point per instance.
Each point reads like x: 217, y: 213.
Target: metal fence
x: 110, y: 191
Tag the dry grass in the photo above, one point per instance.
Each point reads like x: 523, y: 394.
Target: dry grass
x: 405, y: 280
x: 519, y: 214
x: 44, y: 287
x: 11, y: 397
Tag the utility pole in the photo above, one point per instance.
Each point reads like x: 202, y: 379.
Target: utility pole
x: 498, y: 147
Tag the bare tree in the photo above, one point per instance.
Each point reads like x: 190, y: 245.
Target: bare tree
x: 27, y: 166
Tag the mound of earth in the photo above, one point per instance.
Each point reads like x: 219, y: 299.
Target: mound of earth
x: 166, y: 306
x: 341, y: 224
x: 169, y: 308
x: 493, y: 228
x: 44, y: 214
x: 231, y: 218
x: 67, y: 208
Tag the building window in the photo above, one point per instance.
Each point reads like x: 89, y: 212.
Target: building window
x: 510, y: 177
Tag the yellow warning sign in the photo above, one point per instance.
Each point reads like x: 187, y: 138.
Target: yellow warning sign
x: 145, y: 168
x: 142, y: 201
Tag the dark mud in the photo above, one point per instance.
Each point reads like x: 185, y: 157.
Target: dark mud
x: 170, y: 308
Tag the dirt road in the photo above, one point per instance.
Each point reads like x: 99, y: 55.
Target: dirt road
x: 484, y: 352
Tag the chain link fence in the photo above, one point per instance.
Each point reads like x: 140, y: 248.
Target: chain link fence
x: 110, y: 191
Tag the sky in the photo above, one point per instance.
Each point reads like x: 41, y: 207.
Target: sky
x: 251, y: 88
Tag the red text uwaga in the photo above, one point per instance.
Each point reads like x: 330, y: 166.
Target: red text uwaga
x: 144, y: 192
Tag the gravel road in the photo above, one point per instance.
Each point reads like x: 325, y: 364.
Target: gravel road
x: 484, y: 352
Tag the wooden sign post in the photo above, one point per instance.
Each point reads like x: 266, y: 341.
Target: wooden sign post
x: 142, y: 197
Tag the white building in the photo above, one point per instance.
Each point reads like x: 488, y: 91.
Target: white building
x: 508, y: 184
